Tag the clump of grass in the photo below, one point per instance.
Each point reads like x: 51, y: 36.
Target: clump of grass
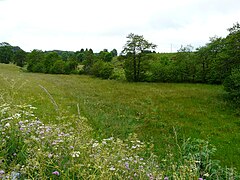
x: 31, y: 149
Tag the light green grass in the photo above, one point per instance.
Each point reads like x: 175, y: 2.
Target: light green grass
x: 119, y: 108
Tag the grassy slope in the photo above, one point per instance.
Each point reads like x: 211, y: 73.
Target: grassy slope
x: 118, y: 108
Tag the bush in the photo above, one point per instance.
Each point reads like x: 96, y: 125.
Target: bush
x: 102, y: 69
x: 232, y: 86
x: 58, y: 67
x: 118, y: 74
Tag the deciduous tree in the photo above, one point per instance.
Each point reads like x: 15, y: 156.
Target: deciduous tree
x: 135, y: 49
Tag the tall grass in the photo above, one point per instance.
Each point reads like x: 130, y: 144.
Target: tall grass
x: 31, y: 149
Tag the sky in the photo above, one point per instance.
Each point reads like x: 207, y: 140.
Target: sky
x: 75, y: 24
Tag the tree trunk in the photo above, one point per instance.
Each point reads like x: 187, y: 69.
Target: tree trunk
x: 203, y: 72
x: 134, y: 67
x: 138, y: 67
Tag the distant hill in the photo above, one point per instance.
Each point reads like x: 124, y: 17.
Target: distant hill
x: 60, y: 52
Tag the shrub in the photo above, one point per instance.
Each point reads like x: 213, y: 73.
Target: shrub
x: 102, y: 69
x: 118, y: 74
x: 106, y: 70
x: 58, y: 67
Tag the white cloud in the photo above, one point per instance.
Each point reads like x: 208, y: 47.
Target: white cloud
x: 76, y: 24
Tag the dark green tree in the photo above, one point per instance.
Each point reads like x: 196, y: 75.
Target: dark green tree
x: 105, y: 56
x: 185, y: 64
x: 6, y: 52
x: 134, y: 50
x: 19, y: 57
x: 114, y: 53
x: 231, y: 51
x: 102, y: 69
x: 35, y: 60
x: 58, y: 67
x: 80, y: 56
x: 88, y: 62
x: 232, y: 85
x: 49, y: 60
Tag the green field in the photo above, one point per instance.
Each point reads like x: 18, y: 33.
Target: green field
x: 152, y: 110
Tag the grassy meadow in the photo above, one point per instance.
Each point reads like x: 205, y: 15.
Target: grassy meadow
x: 154, y: 111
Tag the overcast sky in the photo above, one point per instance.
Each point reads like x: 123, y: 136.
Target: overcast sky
x: 99, y: 24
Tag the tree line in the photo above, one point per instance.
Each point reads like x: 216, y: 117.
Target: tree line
x: 217, y: 62
x: 60, y: 62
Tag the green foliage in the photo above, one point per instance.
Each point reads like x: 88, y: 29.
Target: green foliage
x: 105, y: 56
x: 58, y: 67
x: 232, y: 85
x: 50, y: 62
x: 50, y: 59
x: 80, y: 56
x: 118, y: 74
x: 102, y: 69
x: 114, y: 53
x: 88, y: 61
x: 35, y: 61
x: 185, y: 65
x: 159, y: 70
x: 19, y: 58
x: 6, y: 53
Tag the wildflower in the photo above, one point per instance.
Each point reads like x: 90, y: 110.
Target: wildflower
x: 50, y: 155
x: 206, y: 175
x: 17, y: 115
x: 54, y: 143
x: 109, y: 139
x: 200, y: 178
x: 166, y: 178
x: 150, y: 177
x: 75, y: 154
x: 7, y: 125
x: 15, y: 175
x: 95, y: 145
x: 127, y: 166
x: 112, y: 168
x: 2, y: 172
x: 56, y: 173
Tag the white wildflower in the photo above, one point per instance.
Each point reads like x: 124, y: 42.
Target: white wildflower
x: 112, y: 168
x: 7, y: 125
x: 75, y: 154
x: 95, y: 145
x: 206, y: 175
